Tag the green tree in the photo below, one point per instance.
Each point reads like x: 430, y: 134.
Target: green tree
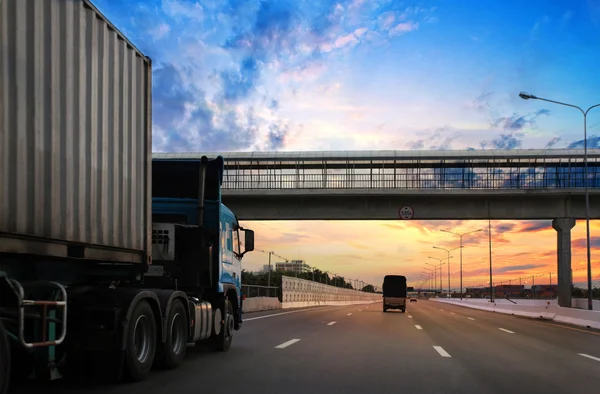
x: 369, y: 289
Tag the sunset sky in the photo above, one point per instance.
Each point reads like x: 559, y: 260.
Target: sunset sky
x: 282, y: 75
x: 370, y: 250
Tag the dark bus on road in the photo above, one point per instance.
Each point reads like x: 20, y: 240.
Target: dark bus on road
x: 394, y: 292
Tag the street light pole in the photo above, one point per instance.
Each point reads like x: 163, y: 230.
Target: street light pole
x: 447, y: 251
x: 436, y: 267
x: 461, y: 246
x: 430, y: 272
x: 490, y: 248
x: 528, y: 96
x: 269, y: 276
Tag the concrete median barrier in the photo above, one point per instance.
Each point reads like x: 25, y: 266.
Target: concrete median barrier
x: 578, y: 317
x: 256, y: 304
x: 539, y: 309
x: 298, y: 293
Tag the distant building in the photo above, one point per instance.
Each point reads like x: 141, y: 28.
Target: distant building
x: 544, y: 291
x: 293, y: 265
x: 510, y: 290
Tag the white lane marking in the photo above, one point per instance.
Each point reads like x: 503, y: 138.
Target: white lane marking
x: 505, y: 330
x: 470, y: 318
x: 441, y: 351
x: 441, y: 310
x: 409, y: 316
x: 284, y: 313
x: 331, y: 323
x: 452, y: 313
x: 588, y: 356
x: 418, y: 327
x: 286, y: 344
x: 349, y: 314
x: 360, y: 310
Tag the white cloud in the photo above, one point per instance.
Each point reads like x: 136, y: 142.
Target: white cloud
x: 356, y: 4
x: 176, y: 9
x: 387, y: 19
x: 404, y: 27
x: 160, y: 31
x: 342, y: 41
x: 360, y: 31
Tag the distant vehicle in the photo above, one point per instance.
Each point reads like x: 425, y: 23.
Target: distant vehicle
x: 394, y: 292
x: 412, y: 295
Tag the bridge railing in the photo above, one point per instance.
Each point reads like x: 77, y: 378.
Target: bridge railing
x: 413, y: 173
x: 451, y: 178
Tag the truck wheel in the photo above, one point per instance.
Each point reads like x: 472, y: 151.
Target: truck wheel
x: 141, y: 342
x: 403, y: 309
x: 172, y: 352
x: 384, y: 309
x: 222, y: 342
x: 4, y: 361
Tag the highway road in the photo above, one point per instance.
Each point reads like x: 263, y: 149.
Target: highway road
x: 432, y: 348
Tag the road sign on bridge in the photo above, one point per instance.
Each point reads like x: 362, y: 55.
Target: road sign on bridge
x: 406, y: 213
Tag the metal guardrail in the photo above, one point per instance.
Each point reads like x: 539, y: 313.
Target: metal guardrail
x: 251, y: 291
x: 560, y: 170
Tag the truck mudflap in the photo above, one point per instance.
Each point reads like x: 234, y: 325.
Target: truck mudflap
x: 21, y: 303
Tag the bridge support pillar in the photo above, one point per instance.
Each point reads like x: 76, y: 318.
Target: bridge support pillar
x: 563, y: 228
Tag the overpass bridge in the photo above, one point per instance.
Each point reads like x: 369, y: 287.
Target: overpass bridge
x: 415, y: 185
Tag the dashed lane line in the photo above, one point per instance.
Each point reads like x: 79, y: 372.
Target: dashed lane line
x: 588, y: 356
x: 505, y: 330
x: 283, y: 313
x: 286, y: 344
x: 441, y: 351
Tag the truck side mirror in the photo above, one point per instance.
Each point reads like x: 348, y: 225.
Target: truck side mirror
x: 249, y: 240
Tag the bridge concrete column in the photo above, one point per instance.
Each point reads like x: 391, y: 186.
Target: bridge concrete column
x: 563, y: 228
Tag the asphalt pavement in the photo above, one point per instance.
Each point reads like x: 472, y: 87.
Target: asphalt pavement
x: 432, y: 348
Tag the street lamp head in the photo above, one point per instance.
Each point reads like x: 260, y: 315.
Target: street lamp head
x: 527, y: 96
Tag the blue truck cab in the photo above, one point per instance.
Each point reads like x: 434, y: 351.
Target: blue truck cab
x: 186, y: 192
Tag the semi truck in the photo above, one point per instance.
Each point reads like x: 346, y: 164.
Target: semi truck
x: 394, y: 292
x: 136, y: 249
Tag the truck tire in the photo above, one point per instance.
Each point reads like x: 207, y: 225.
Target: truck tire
x: 171, y: 353
x: 141, y: 342
x: 4, y: 361
x: 222, y: 342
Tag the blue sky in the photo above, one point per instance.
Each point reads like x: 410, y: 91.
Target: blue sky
x: 435, y: 74
x: 308, y: 75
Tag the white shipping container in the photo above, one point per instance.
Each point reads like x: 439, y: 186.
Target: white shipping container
x: 75, y: 134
